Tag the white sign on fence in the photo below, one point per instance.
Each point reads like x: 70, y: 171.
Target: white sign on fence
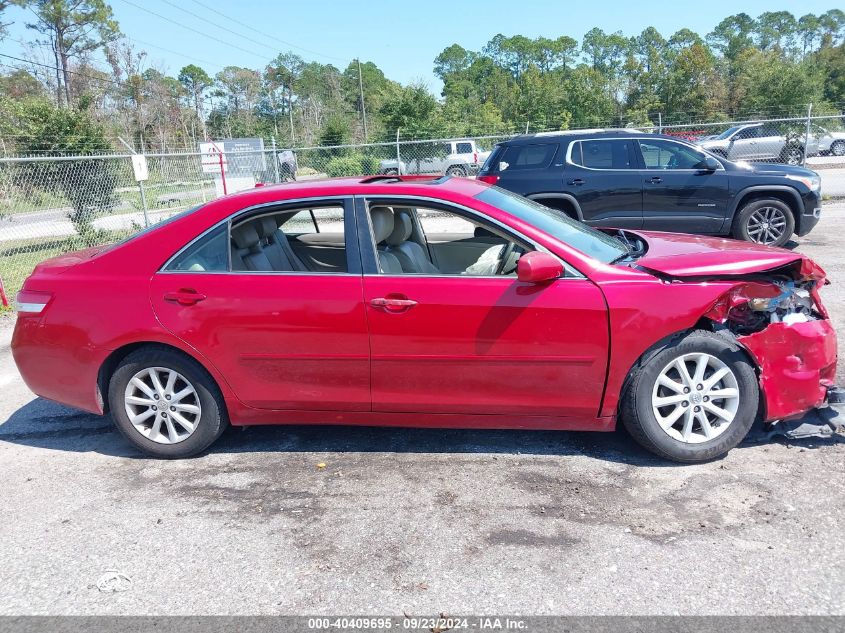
x: 210, y: 158
x: 139, y: 167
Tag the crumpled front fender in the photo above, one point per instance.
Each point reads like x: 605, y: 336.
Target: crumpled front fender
x: 797, y: 363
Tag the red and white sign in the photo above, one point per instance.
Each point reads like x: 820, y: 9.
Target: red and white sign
x: 210, y: 158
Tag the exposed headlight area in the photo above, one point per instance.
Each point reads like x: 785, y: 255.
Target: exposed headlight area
x: 789, y: 302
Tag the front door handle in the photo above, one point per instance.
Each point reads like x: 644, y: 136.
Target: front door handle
x: 184, y: 297
x: 575, y: 181
x: 393, y: 304
x: 655, y: 180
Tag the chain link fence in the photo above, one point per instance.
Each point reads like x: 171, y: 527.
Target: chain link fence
x: 51, y: 205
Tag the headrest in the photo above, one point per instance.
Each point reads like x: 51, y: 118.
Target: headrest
x: 245, y: 235
x: 382, y: 220
x: 267, y: 226
x: 401, y: 229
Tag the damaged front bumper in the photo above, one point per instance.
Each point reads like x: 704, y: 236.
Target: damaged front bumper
x: 797, y: 364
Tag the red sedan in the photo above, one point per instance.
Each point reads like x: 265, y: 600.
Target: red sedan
x: 426, y: 303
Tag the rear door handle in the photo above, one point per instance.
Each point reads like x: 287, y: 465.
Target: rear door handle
x: 393, y: 304
x: 655, y: 180
x: 184, y: 297
x: 575, y: 181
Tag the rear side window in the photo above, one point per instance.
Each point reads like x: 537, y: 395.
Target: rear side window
x: 527, y: 156
x: 464, y: 148
x: 210, y: 253
x: 604, y: 154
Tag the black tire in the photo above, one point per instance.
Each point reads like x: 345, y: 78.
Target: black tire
x: 212, y: 421
x: 458, y: 172
x: 792, y: 155
x: 743, y: 225
x: 838, y: 148
x: 391, y: 172
x: 636, y: 406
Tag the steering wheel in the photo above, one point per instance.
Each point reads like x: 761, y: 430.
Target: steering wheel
x: 504, y: 257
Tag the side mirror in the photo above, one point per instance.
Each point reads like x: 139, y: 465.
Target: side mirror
x: 536, y: 267
x: 709, y: 164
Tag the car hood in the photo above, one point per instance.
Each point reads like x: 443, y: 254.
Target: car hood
x: 679, y: 256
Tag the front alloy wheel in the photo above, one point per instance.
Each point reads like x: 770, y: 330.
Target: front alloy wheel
x: 766, y: 221
x: 695, y: 398
x: 766, y: 225
x: 793, y: 156
x: 692, y: 398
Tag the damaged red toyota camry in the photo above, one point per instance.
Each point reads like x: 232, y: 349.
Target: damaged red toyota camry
x: 407, y: 301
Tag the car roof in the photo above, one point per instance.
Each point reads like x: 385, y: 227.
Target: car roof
x: 577, y: 135
x: 359, y: 185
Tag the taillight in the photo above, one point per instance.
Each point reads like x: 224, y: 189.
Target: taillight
x: 490, y: 180
x: 32, y: 302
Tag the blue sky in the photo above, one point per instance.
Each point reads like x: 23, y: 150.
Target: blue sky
x: 402, y: 38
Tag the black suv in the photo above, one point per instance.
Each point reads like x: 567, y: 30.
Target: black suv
x: 628, y: 179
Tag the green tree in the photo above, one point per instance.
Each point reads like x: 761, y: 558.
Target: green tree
x: 196, y: 81
x: 767, y: 77
x: 777, y: 30
x: 88, y: 184
x: 733, y: 35
x: 412, y: 110
x: 72, y: 28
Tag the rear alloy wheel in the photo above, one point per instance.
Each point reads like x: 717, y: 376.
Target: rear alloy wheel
x: 768, y: 222
x: 162, y: 405
x: 838, y: 148
x: 693, y: 399
x: 165, y: 403
x: 793, y: 155
x: 457, y: 172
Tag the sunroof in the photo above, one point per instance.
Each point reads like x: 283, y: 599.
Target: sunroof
x: 423, y: 179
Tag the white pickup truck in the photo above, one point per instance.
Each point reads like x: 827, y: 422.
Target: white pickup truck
x: 453, y: 158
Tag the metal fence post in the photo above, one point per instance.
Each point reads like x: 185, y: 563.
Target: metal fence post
x: 660, y: 123
x: 275, y: 160
x: 144, y: 203
x: 807, y: 137
x: 398, y: 159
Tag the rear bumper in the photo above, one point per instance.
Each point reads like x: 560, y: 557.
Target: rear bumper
x: 797, y: 366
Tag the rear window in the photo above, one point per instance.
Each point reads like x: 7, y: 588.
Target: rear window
x: 603, y: 154
x: 526, y: 157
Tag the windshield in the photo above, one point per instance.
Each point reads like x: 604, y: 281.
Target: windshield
x: 728, y: 132
x: 579, y: 236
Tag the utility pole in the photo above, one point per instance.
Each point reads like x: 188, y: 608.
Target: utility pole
x: 363, y: 108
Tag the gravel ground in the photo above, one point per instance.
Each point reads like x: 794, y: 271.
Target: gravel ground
x: 416, y: 521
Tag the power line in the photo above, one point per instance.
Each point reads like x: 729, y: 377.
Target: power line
x: 214, y: 24
x: 193, y: 30
x: 71, y: 72
x: 271, y: 37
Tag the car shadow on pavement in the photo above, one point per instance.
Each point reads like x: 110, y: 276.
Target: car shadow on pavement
x: 44, y: 424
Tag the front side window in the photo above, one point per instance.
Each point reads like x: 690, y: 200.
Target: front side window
x: 310, y: 240
x: 660, y: 154
x: 603, y: 154
x: 747, y: 133
x: 418, y: 240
